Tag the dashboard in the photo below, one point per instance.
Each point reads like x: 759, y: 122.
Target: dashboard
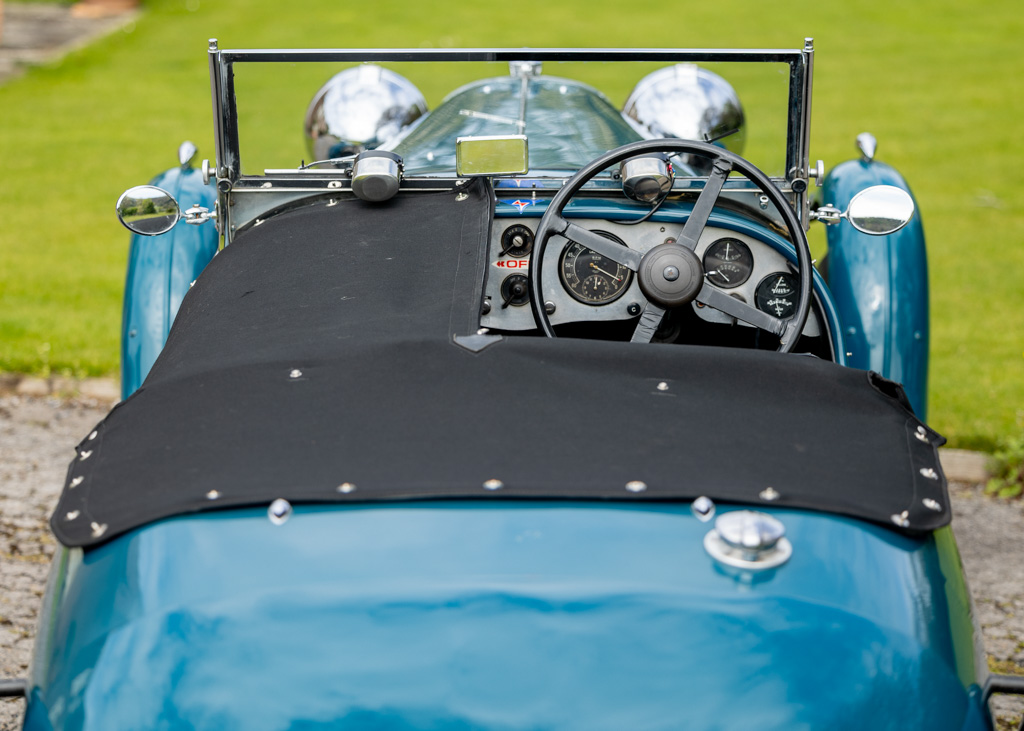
x: 583, y: 286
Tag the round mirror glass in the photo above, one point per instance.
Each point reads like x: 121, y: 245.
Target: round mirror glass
x: 880, y: 210
x: 148, y: 210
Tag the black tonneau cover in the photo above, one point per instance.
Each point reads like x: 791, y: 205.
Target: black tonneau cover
x: 319, y: 350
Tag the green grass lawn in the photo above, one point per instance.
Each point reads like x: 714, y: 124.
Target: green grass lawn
x: 936, y: 82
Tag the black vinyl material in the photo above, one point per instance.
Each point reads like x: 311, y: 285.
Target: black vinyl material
x: 319, y: 350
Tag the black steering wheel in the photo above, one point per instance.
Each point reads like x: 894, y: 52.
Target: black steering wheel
x: 671, y: 274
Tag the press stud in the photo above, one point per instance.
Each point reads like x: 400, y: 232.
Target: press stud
x: 901, y: 519
x: 493, y: 484
x: 346, y: 487
x: 703, y: 509
x: 279, y: 511
x: 636, y: 486
x: 72, y: 515
x: 932, y: 504
x: 662, y: 386
x: 296, y: 373
x: 98, y: 529
x: 77, y: 481
x: 212, y: 495
x: 85, y: 455
x: 93, y: 435
x: 929, y: 473
x: 769, y: 494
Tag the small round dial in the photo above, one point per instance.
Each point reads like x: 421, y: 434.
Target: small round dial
x: 591, y: 278
x: 516, y: 241
x: 728, y: 263
x: 515, y: 290
x: 777, y: 294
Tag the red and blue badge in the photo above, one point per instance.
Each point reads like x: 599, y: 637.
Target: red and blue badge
x: 520, y: 204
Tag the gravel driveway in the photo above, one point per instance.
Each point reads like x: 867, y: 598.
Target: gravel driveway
x: 37, y: 437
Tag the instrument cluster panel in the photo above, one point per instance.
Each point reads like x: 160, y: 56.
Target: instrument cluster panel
x: 580, y: 285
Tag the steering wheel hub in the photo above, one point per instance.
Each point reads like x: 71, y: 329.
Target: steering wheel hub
x: 670, y: 275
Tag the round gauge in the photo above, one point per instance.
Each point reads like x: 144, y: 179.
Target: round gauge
x: 728, y: 263
x: 517, y: 241
x: 591, y: 278
x: 515, y: 290
x: 777, y: 294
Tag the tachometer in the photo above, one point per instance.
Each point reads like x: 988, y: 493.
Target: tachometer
x: 728, y: 263
x: 592, y: 278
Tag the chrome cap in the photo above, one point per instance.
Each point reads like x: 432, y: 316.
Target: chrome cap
x: 376, y: 175
x: 358, y: 109
x: 748, y: 539
x: 690, y: 103
x: 646, y: 179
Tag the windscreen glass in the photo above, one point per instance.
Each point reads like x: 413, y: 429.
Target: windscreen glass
x: 571, y: 113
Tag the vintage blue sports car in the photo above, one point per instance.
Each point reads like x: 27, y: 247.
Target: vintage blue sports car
x: 523, y: 412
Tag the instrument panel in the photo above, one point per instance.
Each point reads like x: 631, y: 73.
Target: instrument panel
x: 583, y: 286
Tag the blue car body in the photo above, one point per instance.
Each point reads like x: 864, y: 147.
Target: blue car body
x: 461, y: 615
x: 528, y: 613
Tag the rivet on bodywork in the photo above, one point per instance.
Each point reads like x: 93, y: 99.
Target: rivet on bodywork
x: 93, y: 435
x: 346, y: 488
x: 901, y: 519
x: 85, y: 455
x: 932, y: 504
x: 279, y: 511
x: 296, y: 373
x: 636, y: 486
x: 72, y: 515
x: 929, y: 473
x: 76, y: 481
x: 98, y: 529
x: 769, y: 494
x: 703, y: 509
x: 212, y: 495
x: 493, y: 484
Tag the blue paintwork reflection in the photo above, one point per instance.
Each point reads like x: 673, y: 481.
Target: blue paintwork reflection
x: 460, y: 615
x: 880, y: 285
x: 160, y: 269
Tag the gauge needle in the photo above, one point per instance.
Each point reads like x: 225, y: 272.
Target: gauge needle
x: 595, y: 266
x: 720, y: 273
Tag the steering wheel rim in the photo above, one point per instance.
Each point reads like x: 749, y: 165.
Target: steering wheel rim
x: 660, y: 286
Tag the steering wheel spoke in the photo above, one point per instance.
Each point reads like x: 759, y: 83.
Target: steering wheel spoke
x: 698, y: 219
x: 714, y: 297
x: 605, y: 247
x: 650, y: 321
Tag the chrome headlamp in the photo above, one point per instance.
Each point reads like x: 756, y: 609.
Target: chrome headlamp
x: 360, y: 109
x: 690, y: 103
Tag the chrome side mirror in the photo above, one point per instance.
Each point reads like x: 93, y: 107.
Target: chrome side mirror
x: 148, y: 210
x: 877, y: 211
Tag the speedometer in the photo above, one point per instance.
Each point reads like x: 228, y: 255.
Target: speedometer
x: 591, y: 278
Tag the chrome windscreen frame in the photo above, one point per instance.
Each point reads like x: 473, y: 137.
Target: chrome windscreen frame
x: 242, y: 198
